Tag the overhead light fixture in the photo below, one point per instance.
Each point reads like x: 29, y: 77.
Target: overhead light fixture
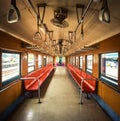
x: 104, y: 14
x: 60, y: 14
x: 90, y: 47
x: 13, y: 13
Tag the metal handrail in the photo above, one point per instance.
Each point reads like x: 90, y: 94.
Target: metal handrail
x: 35, y: 78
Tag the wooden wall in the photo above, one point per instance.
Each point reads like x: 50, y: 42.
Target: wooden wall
x: 107, y: 93
x: 9, y: 93
x: 110, y: 96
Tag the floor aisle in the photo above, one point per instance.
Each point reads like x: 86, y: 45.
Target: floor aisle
x: 60, y: 102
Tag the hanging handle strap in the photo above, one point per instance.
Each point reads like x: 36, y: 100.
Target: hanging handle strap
x: 104, y: 14
x: 14, y: 13
x: 41, y: 16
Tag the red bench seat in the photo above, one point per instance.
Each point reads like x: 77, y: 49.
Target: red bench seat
x: 31, y: 80
x: 85, y: 81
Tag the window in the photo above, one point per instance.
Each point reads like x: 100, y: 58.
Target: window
x: 81, y: 62
x: 44, y: 60
x: 60, y: 61
x: 109, y: 68
x: 39, y: 61
x: 77, y: 61
x: 31, y: 62
x: 63, y: 60
x: 73, y: 61
x: 10, y: 66
x: 51, y: 59
x: 89, y: 63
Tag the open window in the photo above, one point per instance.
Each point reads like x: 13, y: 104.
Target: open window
x: 77, y: 61
x: 89, y: 63
x: 31, y: 62
x: 81, y: 62
x: 10, y: 66
x: 109, y: 68
x: 39, y: 61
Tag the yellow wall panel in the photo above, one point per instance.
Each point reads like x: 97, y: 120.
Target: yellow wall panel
x: 9, y: 95
x: 110, y: 96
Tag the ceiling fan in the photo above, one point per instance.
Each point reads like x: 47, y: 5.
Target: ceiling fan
x: 60, y: 14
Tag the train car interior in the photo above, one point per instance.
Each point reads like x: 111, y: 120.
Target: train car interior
x: 59, y: 60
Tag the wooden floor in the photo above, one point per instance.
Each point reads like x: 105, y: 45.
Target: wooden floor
x: 60, y: 102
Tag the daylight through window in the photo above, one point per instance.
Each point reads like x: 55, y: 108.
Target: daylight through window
x: 10, y: 65
x: 109, y: 67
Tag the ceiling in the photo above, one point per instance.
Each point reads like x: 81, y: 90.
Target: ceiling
x: 94, y: 30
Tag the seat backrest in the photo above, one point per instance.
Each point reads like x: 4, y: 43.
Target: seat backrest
x: 83, y: 74
x: 92, y: 80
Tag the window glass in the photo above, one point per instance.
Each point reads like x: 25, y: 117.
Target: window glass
x: 63, y: 59
x: 77, y: 61
x: 109, y: 67
x: 51, y: 60
x: 89, y: 63
x: 73, y: 62
x: 10, y: 66
x: 44, y: 60
x: 60, y: 61
x: 31, y: 62
x: 39, y: 61
x: 81, y: 62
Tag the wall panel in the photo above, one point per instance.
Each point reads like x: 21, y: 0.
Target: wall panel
x: 110, y: 96
x: 107, y: 93
x: 9, y: 94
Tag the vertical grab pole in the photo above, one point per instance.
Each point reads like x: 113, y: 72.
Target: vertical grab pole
x: 81, y: 94
x: 38, y: 90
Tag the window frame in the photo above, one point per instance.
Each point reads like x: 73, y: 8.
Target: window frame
x: 39, y: 66
x: 7, y: 81
x: 106, y: 79
x: 77, y: 61
x: 44, y: 60
x: 70, y: 60
x: 31, y: 65
x: 73, y: 60
x: 88, y: 70
x: 80, y: 66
